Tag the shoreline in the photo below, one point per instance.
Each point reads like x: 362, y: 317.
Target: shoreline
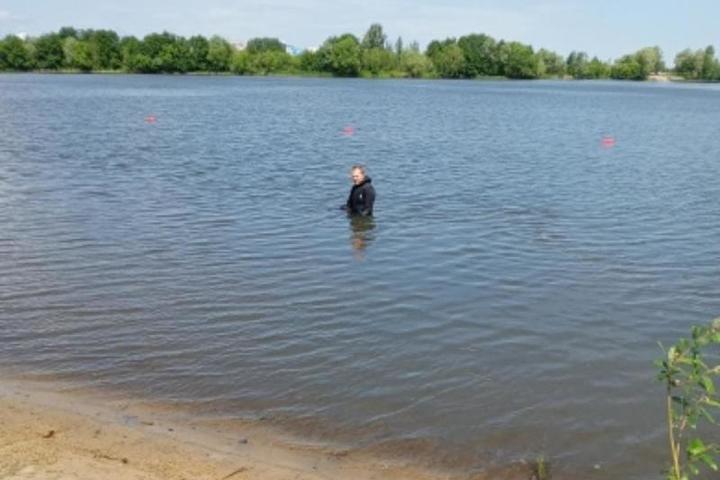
x: 50, y: 432
x: 655, y: 78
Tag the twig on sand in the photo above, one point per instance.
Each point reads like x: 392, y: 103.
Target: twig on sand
x: 99, y: 454
x: 239, y: 470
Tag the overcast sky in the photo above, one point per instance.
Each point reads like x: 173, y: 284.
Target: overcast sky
x: 606, y: 28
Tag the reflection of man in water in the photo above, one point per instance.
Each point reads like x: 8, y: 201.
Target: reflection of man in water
x: 361, y: 234
x: 362, y: 195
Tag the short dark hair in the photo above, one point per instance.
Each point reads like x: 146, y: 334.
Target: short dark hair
x: 360, y: 167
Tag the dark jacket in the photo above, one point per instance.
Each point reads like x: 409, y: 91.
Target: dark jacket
x: 361, y: 199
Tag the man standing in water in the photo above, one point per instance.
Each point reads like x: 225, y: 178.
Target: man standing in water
x: 362, y: 195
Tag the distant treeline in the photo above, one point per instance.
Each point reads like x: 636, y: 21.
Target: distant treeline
x: 470, y: 56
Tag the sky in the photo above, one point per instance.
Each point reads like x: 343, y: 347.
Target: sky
x: 606, y: 28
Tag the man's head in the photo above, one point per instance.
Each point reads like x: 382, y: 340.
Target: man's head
x: 357, y: 173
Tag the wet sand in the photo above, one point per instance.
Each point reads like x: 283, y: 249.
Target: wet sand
x: 53, y: 434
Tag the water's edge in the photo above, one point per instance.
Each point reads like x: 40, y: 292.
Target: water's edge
x: 214, y: 429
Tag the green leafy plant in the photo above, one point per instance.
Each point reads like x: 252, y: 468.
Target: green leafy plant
x: 691, y: 397
x: 540, y: 469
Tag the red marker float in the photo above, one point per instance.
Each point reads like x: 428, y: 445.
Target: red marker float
x: 608, y: 141
x: 151, y: 119
x: 348, y: 131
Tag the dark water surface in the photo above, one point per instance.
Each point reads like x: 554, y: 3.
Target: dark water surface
x: 505, y: 302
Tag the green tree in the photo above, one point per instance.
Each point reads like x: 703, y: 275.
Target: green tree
x: 269, y: 61
x: 220, y: 54
x: 554, y: 64
x: 15, y: 54
x: 309, y: 62
x: 259, y: 45
x: 240, y: 62
x: 49, y: 53
x: 66, y: 32
x: 173, y: 57
x: 341, y: 56
x: 447, y: 58
x: 377, y: 60
x: 198, y: 48
x: 399, y: 46
x: 598, y: 69
x: 502, y: 55
x: 3, y: 63
x: 415, y: 64
x: 577, y: 65
x: 158, y: 49
x: 710, y: 65
x: 479, y: 53
x: 650, y: 60
x: 105, y: 46
x: 627, y: 68
x: 521, y: 62
x: 450, y: 62
x: 152, y: 44
x: 638, y: 65
x: 690, y: 64
x: 78, y: 54
x: 374, y: 37
x: 435, y: 46
x: 134, y: 58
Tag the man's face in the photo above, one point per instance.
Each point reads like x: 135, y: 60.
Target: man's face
x: 357, y: 176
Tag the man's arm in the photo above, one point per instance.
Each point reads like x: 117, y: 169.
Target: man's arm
x: 348, y: 204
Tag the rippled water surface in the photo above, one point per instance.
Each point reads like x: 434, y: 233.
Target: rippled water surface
x: 506, y: 300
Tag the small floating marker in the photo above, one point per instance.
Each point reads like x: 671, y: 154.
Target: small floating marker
x: 151, y: 119
x: 348, y: 131
x: 608, y: 141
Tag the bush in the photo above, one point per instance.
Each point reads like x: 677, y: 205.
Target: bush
x: 690, y: 398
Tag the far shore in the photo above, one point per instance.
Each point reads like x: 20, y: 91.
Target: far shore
x: 664, y: 77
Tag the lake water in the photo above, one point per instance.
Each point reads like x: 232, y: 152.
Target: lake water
x: 179, y: 238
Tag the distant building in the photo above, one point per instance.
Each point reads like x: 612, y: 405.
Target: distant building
x: 239, y: 45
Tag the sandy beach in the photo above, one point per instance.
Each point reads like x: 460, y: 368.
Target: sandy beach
x: 48, y: 433
x: 66, y: 436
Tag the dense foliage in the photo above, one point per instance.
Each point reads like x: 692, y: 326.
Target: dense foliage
x: 639, y: 65
x: 698, y: 65
x: 373, y: 55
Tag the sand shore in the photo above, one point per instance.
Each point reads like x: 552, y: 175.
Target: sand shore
x: 48, y: 433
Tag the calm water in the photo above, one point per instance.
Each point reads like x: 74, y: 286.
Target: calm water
x: 505, y: 302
